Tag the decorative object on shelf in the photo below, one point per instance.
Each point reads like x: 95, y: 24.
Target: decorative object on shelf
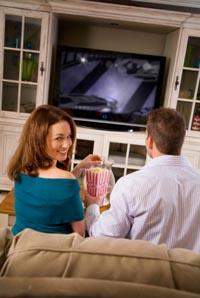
x: 196, y: 120
x: 28, y: 67
x: 185, y: 93
x: 197, y: 64
x: 17, y: 42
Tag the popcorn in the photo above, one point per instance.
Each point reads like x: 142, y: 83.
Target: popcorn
x: 97, y: 180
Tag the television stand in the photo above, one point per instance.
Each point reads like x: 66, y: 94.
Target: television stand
x: 109, y: 126
x: 126, y: 149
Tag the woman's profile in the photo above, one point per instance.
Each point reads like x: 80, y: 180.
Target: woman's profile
x: 47, y: 194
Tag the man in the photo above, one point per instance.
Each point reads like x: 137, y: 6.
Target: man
x: 160, y: 202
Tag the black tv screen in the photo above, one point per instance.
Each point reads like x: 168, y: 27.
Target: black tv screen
x: 108, y: 89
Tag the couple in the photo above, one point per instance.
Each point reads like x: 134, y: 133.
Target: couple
x: 159, y: 203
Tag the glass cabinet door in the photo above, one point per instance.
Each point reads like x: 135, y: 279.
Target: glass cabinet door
x: 83, y: 148
x: 117, y: 153
x: 126, y: 157
x: 85, y: 144
x: 188, y: 103
x: 22, y: 69
x: 136, y: 158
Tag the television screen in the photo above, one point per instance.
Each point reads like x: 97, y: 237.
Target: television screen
x: 108, y: 89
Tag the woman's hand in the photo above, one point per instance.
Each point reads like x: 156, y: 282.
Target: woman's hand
x: 79, y: 227
x: 89, y: 200
x: 88, y: 161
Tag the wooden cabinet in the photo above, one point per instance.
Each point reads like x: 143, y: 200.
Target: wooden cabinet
x: 191, y: 149
x: 186, y: 95
x: 23, y: 55
x: 8, y: 142
x: 29, y: 36
x: 126, y: 150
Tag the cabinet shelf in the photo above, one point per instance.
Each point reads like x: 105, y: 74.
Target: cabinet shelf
x: 136, y: 160
x: 191, y: 68
x: 23, y: 82
x: 134, y: 167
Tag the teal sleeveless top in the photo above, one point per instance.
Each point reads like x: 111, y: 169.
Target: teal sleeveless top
x: 46, y: 204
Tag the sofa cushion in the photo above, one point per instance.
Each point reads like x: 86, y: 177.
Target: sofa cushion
x: 35, y: 254
x: 5, y: 242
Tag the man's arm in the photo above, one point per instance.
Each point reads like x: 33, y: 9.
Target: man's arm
x: 113, y: 222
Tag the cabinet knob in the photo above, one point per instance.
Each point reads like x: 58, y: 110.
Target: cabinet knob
x: 177, y: 82
x: 42, y: 69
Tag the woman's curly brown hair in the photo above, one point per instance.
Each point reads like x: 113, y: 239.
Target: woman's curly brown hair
x: 31, y: 154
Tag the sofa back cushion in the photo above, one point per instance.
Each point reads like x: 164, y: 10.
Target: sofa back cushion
x: 35, y: 254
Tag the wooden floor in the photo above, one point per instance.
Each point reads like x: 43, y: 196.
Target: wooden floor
x: 7, y: 205
x: 7, y: 213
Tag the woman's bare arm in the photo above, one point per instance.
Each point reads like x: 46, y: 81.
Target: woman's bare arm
x: 79, y: 227
x: 88, y: 161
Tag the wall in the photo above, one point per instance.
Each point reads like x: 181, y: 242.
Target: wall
x: 110, y: 38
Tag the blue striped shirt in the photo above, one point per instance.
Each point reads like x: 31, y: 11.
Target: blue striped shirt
x: 159, y: 203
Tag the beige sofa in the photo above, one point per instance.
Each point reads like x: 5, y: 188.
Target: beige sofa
x: 34, y: 264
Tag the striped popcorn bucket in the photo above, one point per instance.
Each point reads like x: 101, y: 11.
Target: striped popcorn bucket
x: 97, y: 180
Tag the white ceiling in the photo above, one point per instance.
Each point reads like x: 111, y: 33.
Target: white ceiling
x: 181, y: 3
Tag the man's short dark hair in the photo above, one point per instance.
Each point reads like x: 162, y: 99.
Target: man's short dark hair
x: 167, y: 128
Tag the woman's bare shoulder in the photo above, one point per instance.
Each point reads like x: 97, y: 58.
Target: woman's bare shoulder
x: 64, y: 174
x: 56, y: 173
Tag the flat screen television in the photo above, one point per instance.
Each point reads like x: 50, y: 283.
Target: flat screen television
x: 106, y: 89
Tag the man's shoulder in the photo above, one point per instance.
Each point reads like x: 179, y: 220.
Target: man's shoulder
x: 143, y: 175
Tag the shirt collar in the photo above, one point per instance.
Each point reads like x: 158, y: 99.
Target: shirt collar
x: 169, y: 160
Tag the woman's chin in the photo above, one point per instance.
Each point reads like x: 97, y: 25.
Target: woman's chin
x: 62, y: 157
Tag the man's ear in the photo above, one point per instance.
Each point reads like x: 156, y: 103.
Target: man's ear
x: 149, y: 142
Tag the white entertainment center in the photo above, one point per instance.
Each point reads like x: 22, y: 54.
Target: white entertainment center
x: 46, y: 24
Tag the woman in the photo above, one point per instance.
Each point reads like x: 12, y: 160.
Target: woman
x: 47, y: 195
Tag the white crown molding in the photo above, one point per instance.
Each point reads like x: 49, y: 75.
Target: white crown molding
x: 41, y: 5
x: 181, y: 3
x: 113, y: 11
